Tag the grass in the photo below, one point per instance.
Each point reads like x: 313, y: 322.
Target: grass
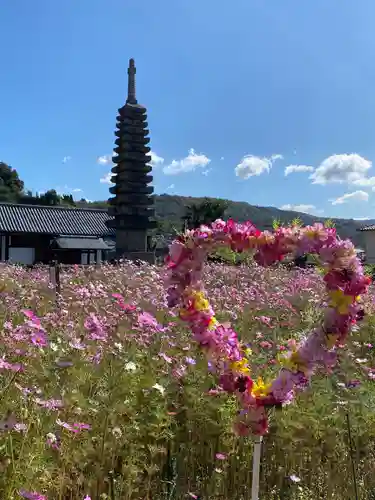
x: 113, y: 399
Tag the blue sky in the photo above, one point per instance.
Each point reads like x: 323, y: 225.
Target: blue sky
x: 291, y: 83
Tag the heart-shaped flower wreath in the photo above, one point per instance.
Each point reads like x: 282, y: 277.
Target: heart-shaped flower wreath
x: 345, y: 282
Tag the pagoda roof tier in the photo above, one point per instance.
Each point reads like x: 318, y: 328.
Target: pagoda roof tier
x: 135, y: 170
x: 139, y: 128
x: 132, y: 156
x: 132, y: 121
x: 126, y: 210
x: 135, y: 200
x: 132, y: 222
x: 132, y: 179
x: 130, y: 188
x: 131, y: 109
x: 131, y: 146
x: 134, y: 139
x: 137, y: 131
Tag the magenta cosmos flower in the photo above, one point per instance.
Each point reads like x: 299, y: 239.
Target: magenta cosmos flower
x: 32, y: 495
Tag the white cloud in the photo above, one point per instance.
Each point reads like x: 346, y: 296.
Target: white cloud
x: 155, y: 159
x: 222, y: 158
x: 107, y: 178
x: 207, y: 171
x: 365, y: 182
x: 307, y: 209
x: 290, y: 169
x: 361, y: 218
x: 171, y: 186
x: 355, y: 196
x: 254, y: 165
x: 104, y: 160
x: 66, y: 159
x: 66, y: 188
x: 342, y: 168
x: 277, y: 157
x: 187, y: 164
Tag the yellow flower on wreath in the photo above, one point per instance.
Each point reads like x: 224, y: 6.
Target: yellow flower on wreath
x: 340, y: 301
x: 294, y: 363
x: 260, y: 388
x: 241, y: 366
x: 200, y: 301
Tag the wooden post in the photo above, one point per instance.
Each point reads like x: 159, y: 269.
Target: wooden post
x: 54, y: 271
x: 256, y: 467
x: 57, y: 274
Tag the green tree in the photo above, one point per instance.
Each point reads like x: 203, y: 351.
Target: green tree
x: 50, y: 198
x: 204, y: 212
x: 11, y: 186
x: 67, y: 199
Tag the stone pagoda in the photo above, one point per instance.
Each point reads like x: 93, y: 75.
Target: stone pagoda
x: 132, y: 205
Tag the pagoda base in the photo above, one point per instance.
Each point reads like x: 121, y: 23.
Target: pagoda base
x: 148, y: 257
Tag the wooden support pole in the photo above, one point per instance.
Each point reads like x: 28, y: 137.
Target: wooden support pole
x: 256, y: 467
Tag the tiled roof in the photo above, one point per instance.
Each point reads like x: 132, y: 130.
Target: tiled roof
x: 368, y: 228
x: 71, y: 243
x: 53, y: 220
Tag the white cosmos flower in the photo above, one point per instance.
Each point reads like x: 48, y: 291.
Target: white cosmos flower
x: 159, y: 388
x: 130, y: 366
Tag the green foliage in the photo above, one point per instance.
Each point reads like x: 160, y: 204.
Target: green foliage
x: 227, y: 256
x: 11, y: 185
x: 297, y: 222
x: 369, y: 270
x: 276, y: 224
x: 329, y: 223
x: 204, y: 212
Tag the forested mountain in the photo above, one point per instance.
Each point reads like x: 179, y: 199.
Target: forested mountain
x: 170, y: 209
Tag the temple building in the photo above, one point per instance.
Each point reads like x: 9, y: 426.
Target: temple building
x: 32, y: 234
x: 132, y: 206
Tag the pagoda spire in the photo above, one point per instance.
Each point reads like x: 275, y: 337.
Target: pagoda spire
x: 131, y: 82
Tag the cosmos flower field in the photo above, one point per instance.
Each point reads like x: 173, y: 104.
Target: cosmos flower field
x: 104, y: 394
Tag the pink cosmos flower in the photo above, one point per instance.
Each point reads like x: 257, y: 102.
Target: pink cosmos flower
x: 50, y: 404
x: 165, y: 357
x: 14, y: 367
x: 76, y: 427
x: 146, y: 319
x: 221, y: 456
x: 31, y: 316
x: 265, y: 344
x: 53, y: 441
x: 32, y: 495
x: 39, y: 339
x: 265, y: 320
